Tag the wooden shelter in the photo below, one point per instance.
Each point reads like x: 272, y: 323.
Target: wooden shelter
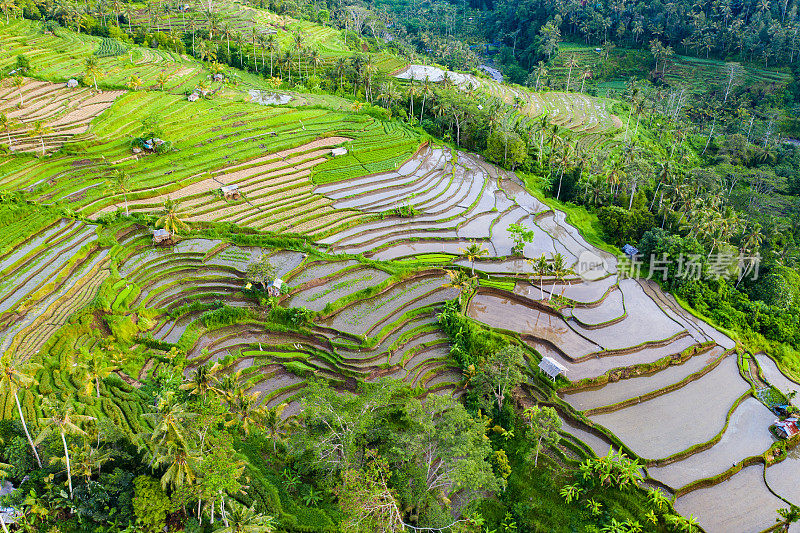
x: 551, y: 367
x: 230, y: 192
x: 161, y: 236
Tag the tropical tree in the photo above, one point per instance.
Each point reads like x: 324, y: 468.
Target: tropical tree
x: 5, y: 124
x: 62, y: 421
x: 135, y: 83
x: 560, y: 270
x: 92, y: 70
x: 520, y: 234
x: 273, y: 422
x: 162, y: 80
x: 39, y: 130
x: 19, y: 83
x: 98, y: 369
x: 201, y: 382
x: 171, y: 218
x: 544, y: 425
x: 17, y: 375
x: 241, y: 519
x: 462, y: 281
x: 541, y: 268
x: 472, y: 252
x: 260, y: 271
x: 120, y: 183
x: 501, y: 372
x: 273, y: 47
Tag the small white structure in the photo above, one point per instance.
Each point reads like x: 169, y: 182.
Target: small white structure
x: 274, y: 287
x: 72, y: 83
x: 339, y: 151
x: 193, y: 97
x: 230, y: 192
x: 551, y: 367
x: 161, y: 235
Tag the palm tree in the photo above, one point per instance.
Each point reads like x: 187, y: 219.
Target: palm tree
x: 92, y: 70
x: 299, y: 44
x: 97, y: 370
x: 19, y: 82
x: 274, y: 423
x: 121, y: 184
x: 241, y: 519
x: 315, y: 59
x: 247, y: 412
x: 541, y: 267
x: 472, y: 252
x: 566, y: 159
x: 462, y: 281
x: 184, y: 464
x: 162, y: 79
x: 135, y: 83
x: 17, y: 375
x: 201, y: 382
x: 559, y: 269
x: 272, y: 46
x: 541, y: 71
x: 39, y: 130
x: 5, y: 124
x: 62, y: 421
x: 168, y: 422
x: 426, y: 91
x: 571, y: 62
x: 171, y: 218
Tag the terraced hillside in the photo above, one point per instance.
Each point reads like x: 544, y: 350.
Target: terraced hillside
x: 576, y: 112
x: 63, y: 112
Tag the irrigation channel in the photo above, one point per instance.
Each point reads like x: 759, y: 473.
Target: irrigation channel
x: 645, y: 375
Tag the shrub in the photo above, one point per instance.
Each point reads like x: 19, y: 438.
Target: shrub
x: 150, y: 504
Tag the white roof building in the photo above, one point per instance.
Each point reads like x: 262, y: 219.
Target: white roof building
x: 551, y: 367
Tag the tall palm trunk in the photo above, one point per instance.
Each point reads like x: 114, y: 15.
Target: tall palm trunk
x: 27, y: 433
x: 69, y: 469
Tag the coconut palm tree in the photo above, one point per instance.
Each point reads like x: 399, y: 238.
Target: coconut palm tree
x: 201, y: 382
x: 299, y: 44
x: 19, y: 82
x: 427, y: 92
x: 275, y: 423
x: 162, y: 80
x: 246, y: 409
x: 92, y: 70
x: 62, y: 421
x: 541, y: 267
x: 135, y: 83
x: 97, y: 369
x: 171, y: 218
x: 183, y: 464
x: 273, y: 47
x: 5, y: 125
x: 120, y: 182
x: 472, y: 252
x: 17, y: 375
x: 462, y: 281
x: 241, y: 519
x: 559, y: 269
x: 39, y: 130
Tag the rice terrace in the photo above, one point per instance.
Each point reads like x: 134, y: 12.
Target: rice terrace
x: 399, y: 266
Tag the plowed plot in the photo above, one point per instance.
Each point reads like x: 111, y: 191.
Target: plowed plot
x: 632, y: 387
x: 742, y: 504
x: 44, y: 281
x: 745, y: 436
x: 360, y: 317
x: 644, y: 322
x: 505, y: 313
x: 63, y: 111
x: 317, y: 297
x: 673, y: 422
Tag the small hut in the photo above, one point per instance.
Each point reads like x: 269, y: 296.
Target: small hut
x: 193, y: 97
x: 786, y: 429
x: 552, y: 368
x: 630, y: 251
x: 230, y: 192
x: 218, y: 77
x: 274, y: 287
x: 161, y: 236
x: 339, y: 151
x: 72, y: 83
